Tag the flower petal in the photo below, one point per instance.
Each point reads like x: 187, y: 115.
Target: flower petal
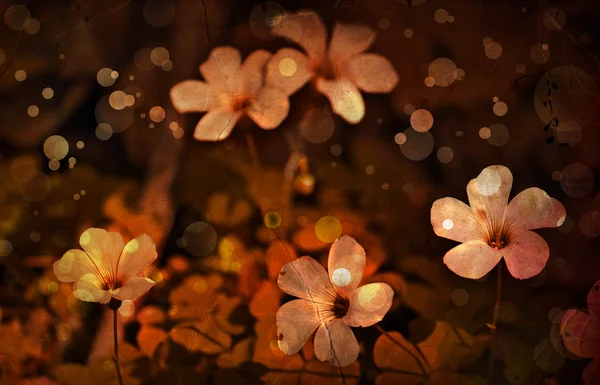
x: 133, y: 288
x: 216, y: 125
x: 192, y: 96
x: 221, y: 68
x: 593, y: 300
x: 296, y: 321
x: 104, y: 248
x: 306, y: 29
x: 288, y: 70
x: 335, y: 342
x: 454, y: 220
x: 472, y: 259
x: 87, y: 289
x: 369, y: 304
x: 344, y: 97
x: 73, y: 265
x: 526, y: 254
x: 581, y: 333
x: 138, y: 254
x: 346, y: 264
x: 253, y: 70
x: 306, y: 278
x: 269, y: 108
x: 372, y: 73
x: 348, y: 40
x: 534, y: 209
x: 488, y: 193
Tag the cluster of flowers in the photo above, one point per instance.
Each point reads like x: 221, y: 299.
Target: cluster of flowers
x: 260, y: 87
x: 331, y: 301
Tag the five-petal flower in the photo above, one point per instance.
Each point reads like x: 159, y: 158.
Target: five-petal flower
x: 341, y: 69
x: 330, y: 303
x: 107, y: 268
x: 492, y: 229
x: 231, y: 89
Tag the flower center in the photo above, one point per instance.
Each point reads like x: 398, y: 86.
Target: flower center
x: 240, y: 103
x: 326, y: 70
x: 497, y: 233
x: 340, y: 306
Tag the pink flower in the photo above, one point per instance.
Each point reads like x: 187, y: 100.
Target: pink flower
x: 330, y: 303
x: 580, y: 332
x: 492, y: 229
x: 231, y: 89
x: 341, y: 69
x: 107, y: 268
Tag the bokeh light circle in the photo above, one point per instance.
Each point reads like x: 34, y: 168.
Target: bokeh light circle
x: 577, y: 180
x: 199, y: 239
x: 418, y: 145
x: 56, y: 147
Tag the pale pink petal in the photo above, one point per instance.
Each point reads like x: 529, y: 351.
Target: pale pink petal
x: 268, y: 108
x: 133, y: 288
x: 138, y: 254
x: 216, y: 125
x: 346, y: 264
x: 344, y: 97
x: 192, y: 96
x: 221, y: 69
x: 454, y: 220
x: 488, y: 194
x: 593, y: 300
x: 307, y: 30
x: 534, y: 209
x: 581, y: 333
x: 591, y: 373
x: 253, y: 70
x: 104, y: 248
x: 472, y: 259
x: 526, y: 254
x: 296, y: 321
x: 88, y: 289
x: 348, y: 40
x: 73, y: 265
x: 335, y: 343
x: 306, y: 278
x: 372, y: 73
x: 369, y: 304
x: 288, y: 71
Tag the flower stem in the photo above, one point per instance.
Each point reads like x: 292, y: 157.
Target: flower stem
x: 252, y: 149
x: 492, y: 326
x: 413, y: 353
x: 116, y: 342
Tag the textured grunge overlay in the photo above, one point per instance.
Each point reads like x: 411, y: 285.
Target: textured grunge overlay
x: 300, y: 192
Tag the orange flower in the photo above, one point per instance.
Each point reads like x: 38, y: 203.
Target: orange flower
x: 107, y: 267
x: 231, y: 89
x: 341, y: 69
x: 330, y: 303
x: 492, y: 229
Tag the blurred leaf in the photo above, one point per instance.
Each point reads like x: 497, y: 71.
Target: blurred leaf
x: 223, y: 316
x: 446, y: 349
x: 151, y: 315
x: 149, y: 338
x: 205, y: 337
x: 196, y: 297
x: 241, y: 352
x: 224, y: 210
x: 266, y: 300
